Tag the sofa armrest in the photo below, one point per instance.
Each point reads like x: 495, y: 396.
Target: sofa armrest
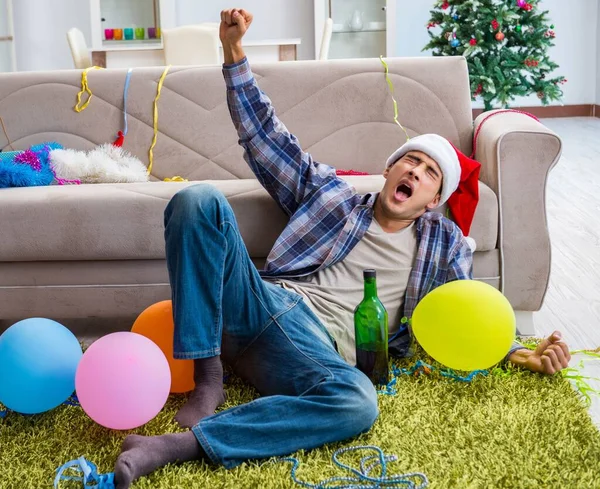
x: 516, y: 154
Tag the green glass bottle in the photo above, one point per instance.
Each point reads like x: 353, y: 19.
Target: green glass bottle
x: 371, y: 333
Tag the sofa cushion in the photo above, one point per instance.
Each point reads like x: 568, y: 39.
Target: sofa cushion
x: 125, y: 221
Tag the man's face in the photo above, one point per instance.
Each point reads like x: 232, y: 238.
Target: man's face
x: 413, y: 185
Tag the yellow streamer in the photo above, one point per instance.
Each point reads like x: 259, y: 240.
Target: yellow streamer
x: 158, y: 89
x: 389, y: 82
x: 6, y: 134
x: 176, y: 179
x: 85, y: 88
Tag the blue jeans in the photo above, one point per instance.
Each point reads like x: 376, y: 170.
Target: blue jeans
x: 309, y: 395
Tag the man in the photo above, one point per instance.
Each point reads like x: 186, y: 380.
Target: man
x: 288, y: 331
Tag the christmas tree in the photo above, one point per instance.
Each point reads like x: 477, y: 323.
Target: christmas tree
x: 505, y: 43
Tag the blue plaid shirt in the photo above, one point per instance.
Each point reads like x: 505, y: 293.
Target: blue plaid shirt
x: 327, y: 217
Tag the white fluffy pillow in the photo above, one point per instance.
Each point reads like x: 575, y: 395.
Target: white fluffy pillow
x: 105, y: 164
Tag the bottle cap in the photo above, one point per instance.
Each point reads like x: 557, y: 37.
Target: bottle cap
x: 369, y: 273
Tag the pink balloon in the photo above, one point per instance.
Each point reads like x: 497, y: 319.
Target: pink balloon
x: 123, y: 380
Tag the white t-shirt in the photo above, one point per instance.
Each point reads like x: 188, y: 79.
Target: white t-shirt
x: 333, y: 293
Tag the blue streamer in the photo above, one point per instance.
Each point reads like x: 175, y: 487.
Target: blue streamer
x: 125, y: 90
x: 361, y: 477
x: 72, y: 401
x: 90, y: 478
x: 421, y: 367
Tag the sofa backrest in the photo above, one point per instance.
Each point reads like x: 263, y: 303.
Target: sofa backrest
x: 341, y: 111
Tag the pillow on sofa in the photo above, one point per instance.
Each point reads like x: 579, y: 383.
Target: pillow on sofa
x: 104, y: 164
x: 29, y: 168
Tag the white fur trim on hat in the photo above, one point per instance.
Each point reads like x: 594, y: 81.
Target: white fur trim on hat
x: 440, y: 150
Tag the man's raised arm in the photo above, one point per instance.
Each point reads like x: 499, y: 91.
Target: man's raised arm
x: 274, y: 155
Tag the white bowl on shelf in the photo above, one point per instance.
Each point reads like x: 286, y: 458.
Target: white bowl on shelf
x: 375, y: 26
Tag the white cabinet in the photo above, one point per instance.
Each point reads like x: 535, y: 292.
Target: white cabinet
x: 361, y: 28
x: 8, y: 60
x: 130, y: 23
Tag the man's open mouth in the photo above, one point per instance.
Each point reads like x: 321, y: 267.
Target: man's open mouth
x: 403, y: 192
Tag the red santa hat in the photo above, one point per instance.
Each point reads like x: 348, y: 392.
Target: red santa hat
x: 460, y: 184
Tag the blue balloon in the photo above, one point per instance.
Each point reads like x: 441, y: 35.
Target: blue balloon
x: 38, y: 361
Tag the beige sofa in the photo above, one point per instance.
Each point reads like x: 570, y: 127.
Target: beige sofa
x: 97, y: 250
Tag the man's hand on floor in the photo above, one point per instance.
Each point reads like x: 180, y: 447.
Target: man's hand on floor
x: 550, y: 356
x: 234, y: 24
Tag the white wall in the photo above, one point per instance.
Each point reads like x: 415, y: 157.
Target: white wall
x: 274, y: 19
x: 575, y: 49
x: 598, y: 58
x: 41, y: 32
x: 41, y: 26
x: 5, y: 51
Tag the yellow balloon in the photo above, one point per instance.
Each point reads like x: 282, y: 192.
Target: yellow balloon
x: 465, y: 325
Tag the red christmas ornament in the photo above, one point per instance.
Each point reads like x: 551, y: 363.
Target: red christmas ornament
x: 445, y: 5
x: 550, y: 33
x: 473, y: 42
x: 432, y: 24
x: 532, y: 62
x: 478, y: 90
x: 500, y: 36
x: 495, y: 24
x: 524, y: 5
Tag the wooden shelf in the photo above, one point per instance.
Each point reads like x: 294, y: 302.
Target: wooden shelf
x: 132, y: 43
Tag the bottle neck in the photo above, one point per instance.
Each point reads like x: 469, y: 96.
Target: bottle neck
x: 370, y: 288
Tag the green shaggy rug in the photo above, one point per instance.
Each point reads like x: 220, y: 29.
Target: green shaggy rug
x: 509, y: 429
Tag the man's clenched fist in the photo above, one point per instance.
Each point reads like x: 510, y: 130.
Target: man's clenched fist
x: 234, y: 24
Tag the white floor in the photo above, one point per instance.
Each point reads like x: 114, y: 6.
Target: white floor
x: 572, y: 304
